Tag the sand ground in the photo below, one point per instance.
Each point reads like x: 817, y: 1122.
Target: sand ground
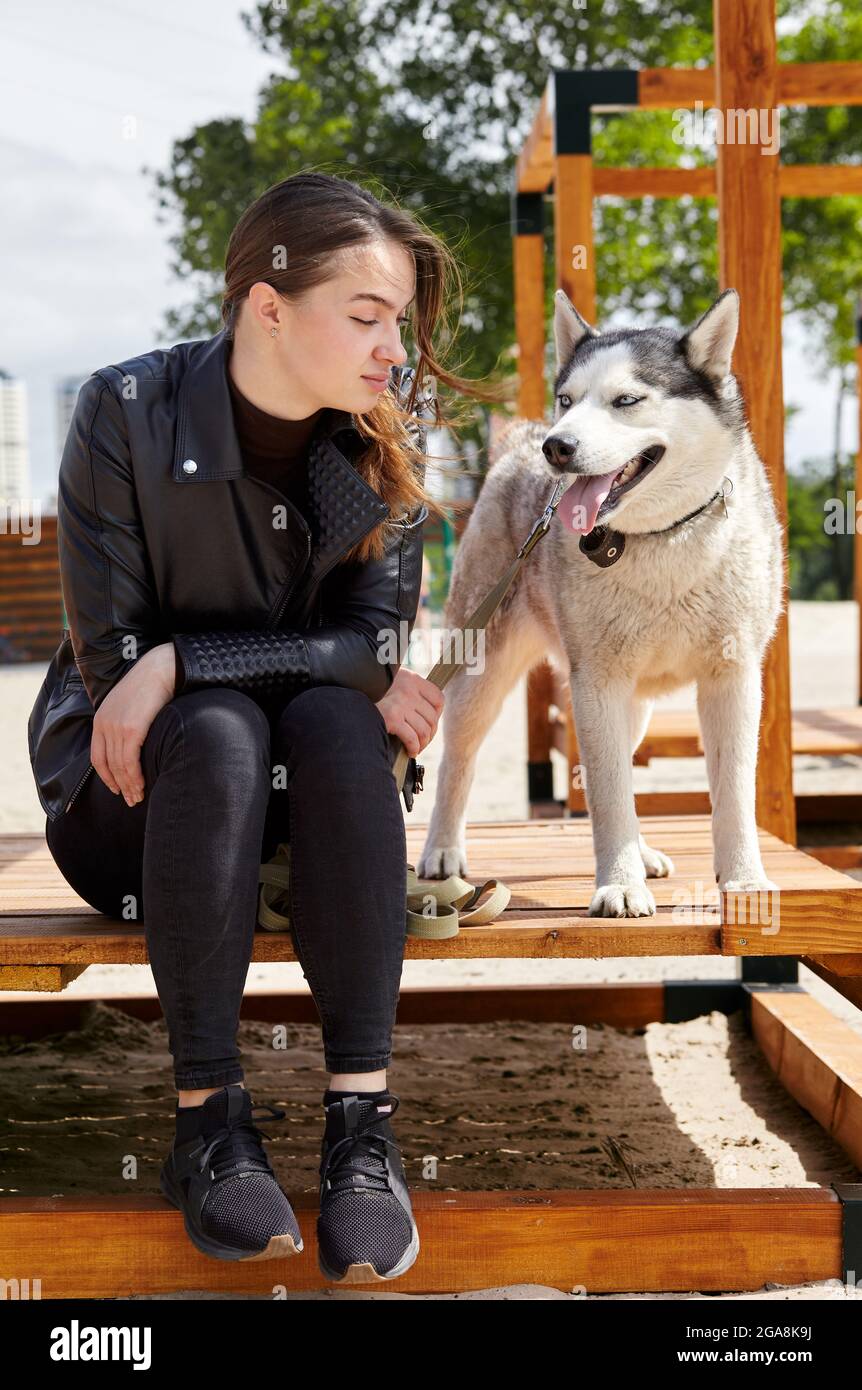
x: 505, y: 1104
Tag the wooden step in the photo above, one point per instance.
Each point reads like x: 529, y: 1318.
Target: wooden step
x: 547, y: 864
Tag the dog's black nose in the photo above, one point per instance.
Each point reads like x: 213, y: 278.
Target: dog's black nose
x: 560, y: 453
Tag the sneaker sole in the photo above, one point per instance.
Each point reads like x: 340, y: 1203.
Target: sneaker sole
x: 366, y: 1273
x: 278, y: 1248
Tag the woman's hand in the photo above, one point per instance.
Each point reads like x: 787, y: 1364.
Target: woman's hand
x: 123, y: 719
x: 411, y: 708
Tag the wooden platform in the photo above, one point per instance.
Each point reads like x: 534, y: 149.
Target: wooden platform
x: 48, y: 934
x: 818, y: 732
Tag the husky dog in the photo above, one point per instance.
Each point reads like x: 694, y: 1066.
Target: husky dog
x: 663, y: 565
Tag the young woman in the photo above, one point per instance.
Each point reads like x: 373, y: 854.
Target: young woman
x: 240, y: 530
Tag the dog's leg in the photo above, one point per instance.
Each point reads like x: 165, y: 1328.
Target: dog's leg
x: 473, y: 700
x: 729, y: 710
x: 657, y: 865
x: 603, y: 719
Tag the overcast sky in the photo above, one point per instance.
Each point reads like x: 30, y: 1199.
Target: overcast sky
x: 85, y: 263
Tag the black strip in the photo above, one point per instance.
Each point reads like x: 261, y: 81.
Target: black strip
x: 576, y: 92
x: 686, y: 999
x: 771, y: 970
x: 528, y: 214
x: 850, y: 1194
x: 540, y: 781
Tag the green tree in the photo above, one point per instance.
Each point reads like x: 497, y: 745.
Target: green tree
x: 430, y: 101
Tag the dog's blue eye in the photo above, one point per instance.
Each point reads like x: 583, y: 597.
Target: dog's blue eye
x: 628, y: 400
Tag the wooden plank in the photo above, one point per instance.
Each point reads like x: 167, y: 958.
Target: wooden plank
x: 49, y: 978
x: 848, y: 985
x: 618, y: 1005
x: 748, y: 195
x: 797, y: 84
x: 549, y: 867
x: 534, y: 167
x: 604, y: 1241
x: 857, y: 527
x: 794, y: 181
x: 815, y: 732
x: 817, y: 1058
x: 528, y: 261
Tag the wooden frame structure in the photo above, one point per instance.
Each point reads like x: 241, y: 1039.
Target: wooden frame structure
x: 558, y: 154
x: 605, y: 1240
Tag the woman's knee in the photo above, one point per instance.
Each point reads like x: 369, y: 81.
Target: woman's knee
x: 332, y: 717
x: 221, y: 731
x: 220, y: 717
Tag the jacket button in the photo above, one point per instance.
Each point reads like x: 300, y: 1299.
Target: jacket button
x: 190, y: 466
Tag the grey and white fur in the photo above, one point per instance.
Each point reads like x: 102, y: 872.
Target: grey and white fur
x: 697, y: 603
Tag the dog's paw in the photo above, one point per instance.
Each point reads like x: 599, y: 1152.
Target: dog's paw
x: 441, y: 861
x: 657, y: 865
x: 622, y: 900
x: 749, y: 885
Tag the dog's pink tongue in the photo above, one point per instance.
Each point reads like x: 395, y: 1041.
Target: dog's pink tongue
x: 579, y: 505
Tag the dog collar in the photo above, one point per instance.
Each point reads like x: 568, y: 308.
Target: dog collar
x: 604, y: 546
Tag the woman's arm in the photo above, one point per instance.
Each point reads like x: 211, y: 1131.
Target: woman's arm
x: 366, y: 603
x: 111, y: 605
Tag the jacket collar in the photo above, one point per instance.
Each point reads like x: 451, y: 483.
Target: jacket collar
x: 343, y: 507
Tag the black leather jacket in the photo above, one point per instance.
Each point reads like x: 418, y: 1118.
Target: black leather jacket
x: 163, y: 536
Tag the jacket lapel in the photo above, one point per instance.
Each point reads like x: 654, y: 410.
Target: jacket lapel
x: 343, y: 508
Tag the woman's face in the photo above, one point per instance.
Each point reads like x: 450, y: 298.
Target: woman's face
x: 329, y: 346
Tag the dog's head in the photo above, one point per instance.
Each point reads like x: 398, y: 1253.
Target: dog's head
x: 645, y: 420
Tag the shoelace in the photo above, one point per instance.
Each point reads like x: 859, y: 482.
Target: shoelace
x: 357, y: 1155
x: 243, y: 1152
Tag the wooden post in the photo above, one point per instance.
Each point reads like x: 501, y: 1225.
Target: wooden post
x: 528, y: 259
x: 857, y: 534
x: 749, y: 204
x: 576, y: 274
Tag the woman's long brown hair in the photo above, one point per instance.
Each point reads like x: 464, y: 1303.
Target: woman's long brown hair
x: 312, y: 220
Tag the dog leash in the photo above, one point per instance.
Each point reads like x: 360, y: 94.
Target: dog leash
x: 435, y: 908
x: 441, y: 673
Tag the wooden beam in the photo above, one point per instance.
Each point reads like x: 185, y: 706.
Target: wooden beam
x: 857, y: 518
x: 817, y: 1058
x: 535, y: 163
x: 748, y: 196
x: 794, y: 181
x: 797, y: 84
x: 604, y: 1241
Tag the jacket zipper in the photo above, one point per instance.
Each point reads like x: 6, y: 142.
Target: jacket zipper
x: 78, y: 788
x: 288, y: 590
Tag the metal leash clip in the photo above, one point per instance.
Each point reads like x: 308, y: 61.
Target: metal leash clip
x: 544, y: 520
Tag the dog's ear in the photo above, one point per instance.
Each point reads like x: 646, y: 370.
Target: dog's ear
x: 708, y: 346
x: 569, y: 328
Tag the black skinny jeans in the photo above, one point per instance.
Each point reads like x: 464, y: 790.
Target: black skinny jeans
x: 227, y: 778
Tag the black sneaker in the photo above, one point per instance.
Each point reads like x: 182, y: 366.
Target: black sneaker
x: 365, y: 1230
x: 224, y: 1185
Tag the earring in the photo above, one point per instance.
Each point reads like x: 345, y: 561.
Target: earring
x: 273, y: 332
